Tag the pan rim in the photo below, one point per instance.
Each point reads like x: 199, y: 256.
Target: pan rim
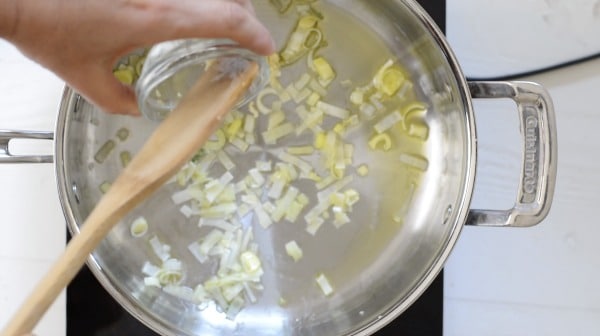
x: 71, y: 99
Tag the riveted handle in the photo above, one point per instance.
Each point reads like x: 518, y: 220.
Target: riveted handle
x: 7, y: 136
x: 538, y: 168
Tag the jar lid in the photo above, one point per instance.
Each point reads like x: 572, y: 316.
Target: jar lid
x: 173, y: 67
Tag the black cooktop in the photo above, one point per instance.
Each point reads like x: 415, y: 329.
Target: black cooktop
x: 92, y: 311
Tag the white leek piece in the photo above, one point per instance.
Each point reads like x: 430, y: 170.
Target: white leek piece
x: 388, y: 122
x: 333, y: 110
x: 271, y: 136
x: 293, y: 250
x: 415, y: 161
x: 162, y: 251
x: 324, y: 284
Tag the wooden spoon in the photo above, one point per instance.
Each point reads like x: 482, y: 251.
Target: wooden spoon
x: 172, y: 144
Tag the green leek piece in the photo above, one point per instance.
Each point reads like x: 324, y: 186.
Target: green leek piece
x: 381, y: 141
x: 124, y: 76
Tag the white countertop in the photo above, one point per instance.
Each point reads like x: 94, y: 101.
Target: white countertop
x: 498, y: 282
x: 496, y: 38
x: 541, y: 280
x: 32, y: 226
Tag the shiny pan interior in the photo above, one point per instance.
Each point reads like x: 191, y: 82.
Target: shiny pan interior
x: 379, y: 265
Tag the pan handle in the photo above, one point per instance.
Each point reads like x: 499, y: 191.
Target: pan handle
x: 538, y: 169
x: 7, y: 136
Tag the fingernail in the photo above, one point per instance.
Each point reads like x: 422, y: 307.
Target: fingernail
x: 264, y: 42
x: 272, y: 47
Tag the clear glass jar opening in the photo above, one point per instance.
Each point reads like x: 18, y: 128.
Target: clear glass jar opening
x: 172, y: 67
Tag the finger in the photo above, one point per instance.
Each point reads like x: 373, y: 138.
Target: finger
x: 247, y: 4
x: 236, y: 20
x: 210, y: 19
x: 101, y: 88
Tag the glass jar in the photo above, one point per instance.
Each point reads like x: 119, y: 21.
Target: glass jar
x: 171, y: 68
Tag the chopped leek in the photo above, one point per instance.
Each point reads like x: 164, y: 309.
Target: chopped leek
x: 300, y: 96
x: 304, y: 166
x: 282, y: 5
x: 324, y: 284
x: 125, y: 158
x: 123, y: 134
x: 293, y: 212
x: 333, y: 110
x: 150, y: 269
x: 249, y: 123
x: 277, y: 187
x: 375, y: 99
x: 388, y: 79
x: 284, y: 203
x: 275, y: 119
x: 381, y: 141
x: 250, y: 262
x: 272, y: 135
x: 162, y: 251
x: 388, y: 122
x: 323, y: 69
x: 240, y: 144
x: 319, y: 140
x: 129, y: 70
x: 341, y: 218
x: 105, y: 151
x: 325, y: 182
x: 225, y: 160
x: 414, y: 161
x: 316, y: 87
x: 313, y: 225
x: 233, y: 128
x: 151, y: 282
x: 415, y: 107
x: 367, y: 111
x: 218, y: 224
x: 325, y: 194
x: 181, y: 292
x: 301, y: 150
x: 304, y: 37
x: 264, y: 220
x: 223, y: 210
x: 194, y: 249
x: 418, y: 130
x: 301, y: 83
x: 216, y: 141
x: 313, y: 99
x: 104, y: 186
x: 310, y: 120
x: 139, y: 227
x: 258, y: 179
x: 264, y: 166
x: 293, y: 250
x: 125, y: 76
x: 260, y: 105
x: 357, y: 97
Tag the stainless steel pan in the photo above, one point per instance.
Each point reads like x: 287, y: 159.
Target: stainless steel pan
x: 379, y: 266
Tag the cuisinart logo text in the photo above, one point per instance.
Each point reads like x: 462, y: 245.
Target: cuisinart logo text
x: 531, y: 158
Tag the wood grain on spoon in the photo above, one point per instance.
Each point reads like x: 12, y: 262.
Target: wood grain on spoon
x: 170, y: 146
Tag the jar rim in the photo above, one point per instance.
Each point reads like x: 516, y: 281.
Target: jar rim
x: 172, y: 67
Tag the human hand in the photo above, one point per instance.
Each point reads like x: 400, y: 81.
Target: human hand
x: 82, y: 40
